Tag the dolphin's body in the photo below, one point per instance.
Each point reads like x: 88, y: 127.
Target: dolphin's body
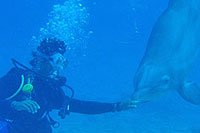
x: 171, y: 53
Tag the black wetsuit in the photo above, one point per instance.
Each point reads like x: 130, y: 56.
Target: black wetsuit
x: 48, y: 95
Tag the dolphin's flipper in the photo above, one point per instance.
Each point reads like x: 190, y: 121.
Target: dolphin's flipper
x: 190, y: 92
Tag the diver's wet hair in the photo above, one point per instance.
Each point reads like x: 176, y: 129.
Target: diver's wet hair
x: 50, y: 46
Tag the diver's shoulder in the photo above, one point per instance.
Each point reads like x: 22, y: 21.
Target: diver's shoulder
x: 16, y: 71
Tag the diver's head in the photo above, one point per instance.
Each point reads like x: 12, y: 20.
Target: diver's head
x: 48, y: 60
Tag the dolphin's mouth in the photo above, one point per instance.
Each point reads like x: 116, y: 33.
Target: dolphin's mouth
x: 146, y: 94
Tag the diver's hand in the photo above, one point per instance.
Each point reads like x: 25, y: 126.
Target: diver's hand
x: 26, y: 105
x: 129, y: 104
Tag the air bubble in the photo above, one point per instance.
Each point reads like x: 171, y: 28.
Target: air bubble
x: 66, y: 23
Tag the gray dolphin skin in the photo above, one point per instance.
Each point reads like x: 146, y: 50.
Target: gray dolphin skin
x: 171, y: 53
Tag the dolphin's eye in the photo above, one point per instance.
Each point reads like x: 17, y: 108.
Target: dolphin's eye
x: 166, y: 78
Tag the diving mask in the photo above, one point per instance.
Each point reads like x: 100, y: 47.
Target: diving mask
x: 59, y: 62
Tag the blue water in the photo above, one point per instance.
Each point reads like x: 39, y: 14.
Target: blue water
x: 102, y: 69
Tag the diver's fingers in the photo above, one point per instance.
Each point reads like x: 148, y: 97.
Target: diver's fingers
x: 20, y: 106
x: 134, y: 102
x: 24, y: 107
x: 132, y: 106
x: 33, y: 105
x: 30, y: 107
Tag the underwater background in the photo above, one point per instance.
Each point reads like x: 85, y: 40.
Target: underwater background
x: 106, y: 41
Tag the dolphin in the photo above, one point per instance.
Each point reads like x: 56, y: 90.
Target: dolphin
x: 171, y: 52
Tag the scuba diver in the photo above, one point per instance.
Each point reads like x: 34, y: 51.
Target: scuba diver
x: 28, y: 95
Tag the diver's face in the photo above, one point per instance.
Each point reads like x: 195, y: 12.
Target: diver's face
x: 43, y: 66
x: 58, y: 62
x: 51, y: 66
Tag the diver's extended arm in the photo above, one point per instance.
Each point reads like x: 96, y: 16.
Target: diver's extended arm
x: 90, y: 107
x: 93, y: 107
